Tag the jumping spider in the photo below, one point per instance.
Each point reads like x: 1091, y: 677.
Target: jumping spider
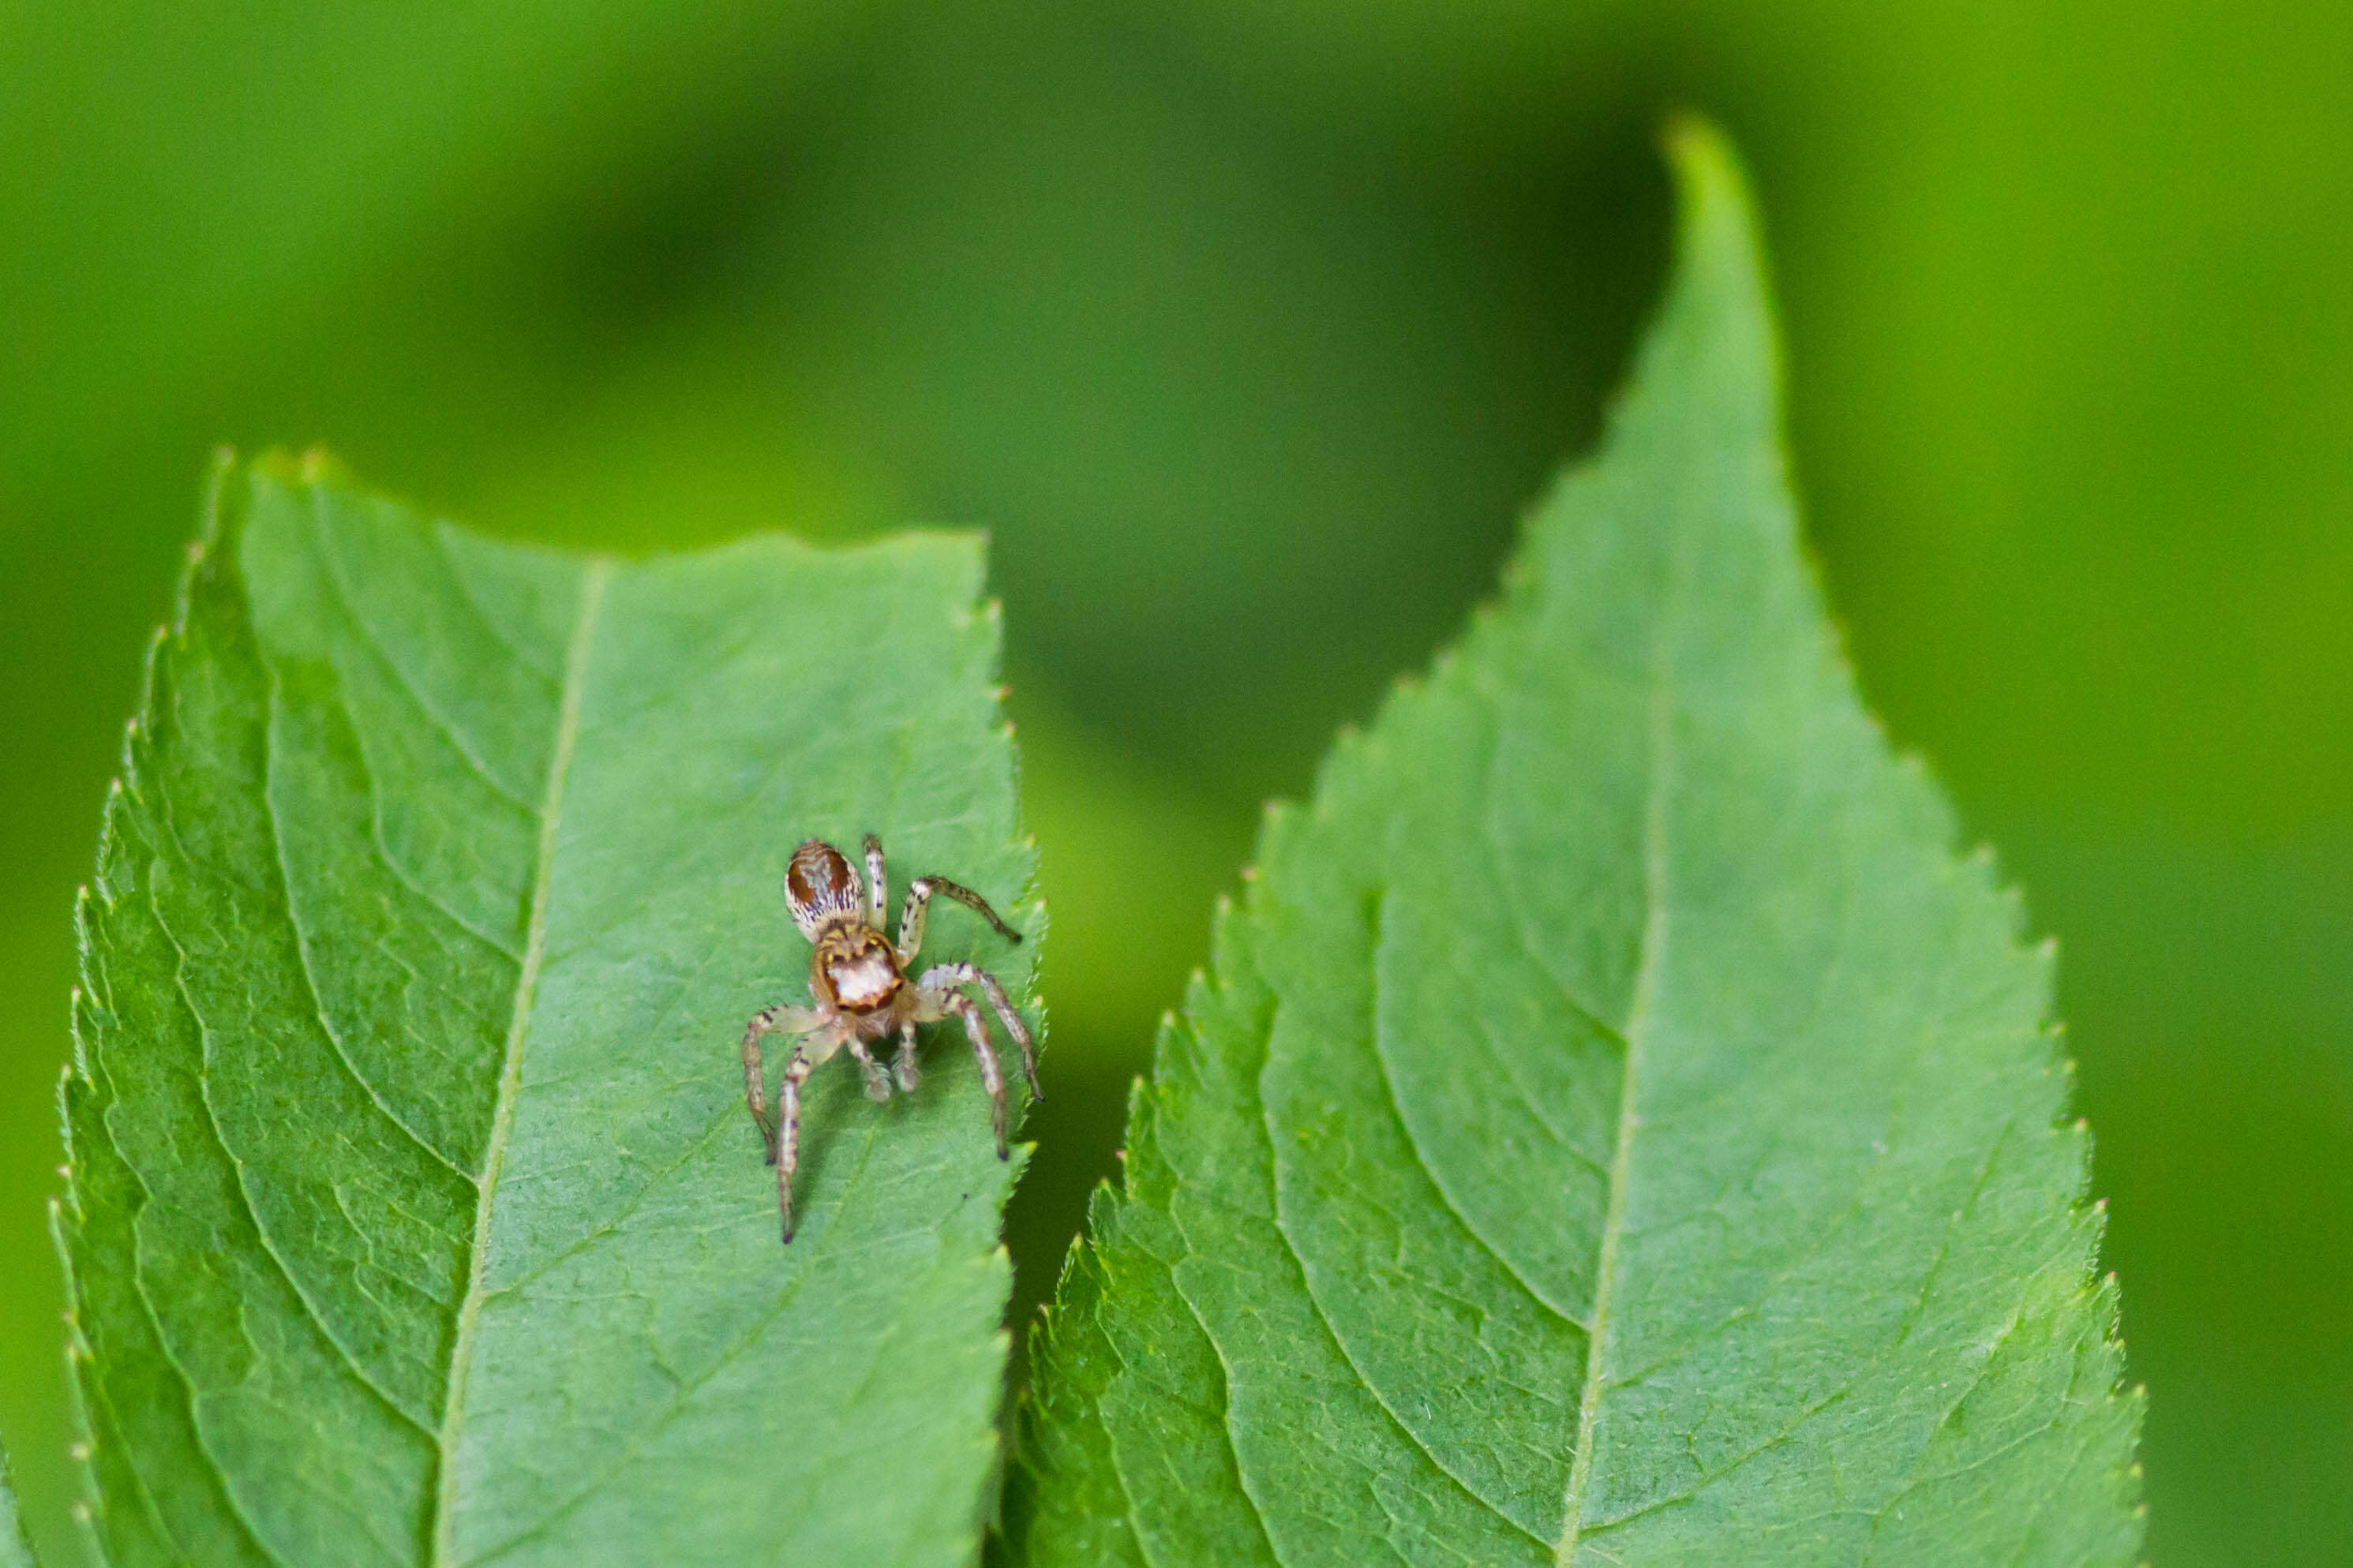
x: 863, y: 995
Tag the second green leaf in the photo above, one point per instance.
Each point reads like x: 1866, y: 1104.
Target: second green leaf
x: 1617, y: 1130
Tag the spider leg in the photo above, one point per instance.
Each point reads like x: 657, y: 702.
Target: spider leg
x: 788, y: 1102
x: 773, y: 1020
x: 904, y: 1068
x: 943, y: 978
x: 993, y: 1080
x: 878, y: 1080
x: 878, y: 894
x: 919, y: 901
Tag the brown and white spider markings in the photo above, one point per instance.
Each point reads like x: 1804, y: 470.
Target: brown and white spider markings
x: 863, y: 993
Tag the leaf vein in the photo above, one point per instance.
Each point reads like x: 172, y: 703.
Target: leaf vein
x: 101, y: 1078
x: 1659, y: 752
x: 403, y: 681
x: 1324, y: 1320
x: 203, y: 1082
x: 681, y: 1401
x: 1380, y: 903
x: 567, y: 729
x: 311, y: 981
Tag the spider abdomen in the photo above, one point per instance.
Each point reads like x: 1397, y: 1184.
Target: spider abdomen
x: 820, y: 888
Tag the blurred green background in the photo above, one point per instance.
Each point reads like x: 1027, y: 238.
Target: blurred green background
x: 1247, y: 329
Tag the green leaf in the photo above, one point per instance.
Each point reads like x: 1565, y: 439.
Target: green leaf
x: 416, y: 1215
x: 16, y: 1551
x: 1618, y: 1131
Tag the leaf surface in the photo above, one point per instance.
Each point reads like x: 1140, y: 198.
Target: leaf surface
x: 415, y: 1217
x: 16, y: 1551
x: 1616, y: 1130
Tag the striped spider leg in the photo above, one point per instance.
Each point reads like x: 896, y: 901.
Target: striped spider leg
x: 863, y: 995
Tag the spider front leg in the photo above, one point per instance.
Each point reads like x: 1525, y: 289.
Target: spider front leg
x: 941, y: 979
x: 788, y: 1103
x: 919, y: 903
x: 780, y: 1019
x: 878, y: 885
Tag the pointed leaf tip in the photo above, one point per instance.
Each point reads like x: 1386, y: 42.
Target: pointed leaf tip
x: 1611, y: 1129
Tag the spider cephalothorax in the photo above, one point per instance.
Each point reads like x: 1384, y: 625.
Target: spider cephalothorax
x: 859, y: 980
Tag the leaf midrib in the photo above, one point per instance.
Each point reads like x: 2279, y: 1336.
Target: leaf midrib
x: 1660, y: 759
x: 461, y: 1354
